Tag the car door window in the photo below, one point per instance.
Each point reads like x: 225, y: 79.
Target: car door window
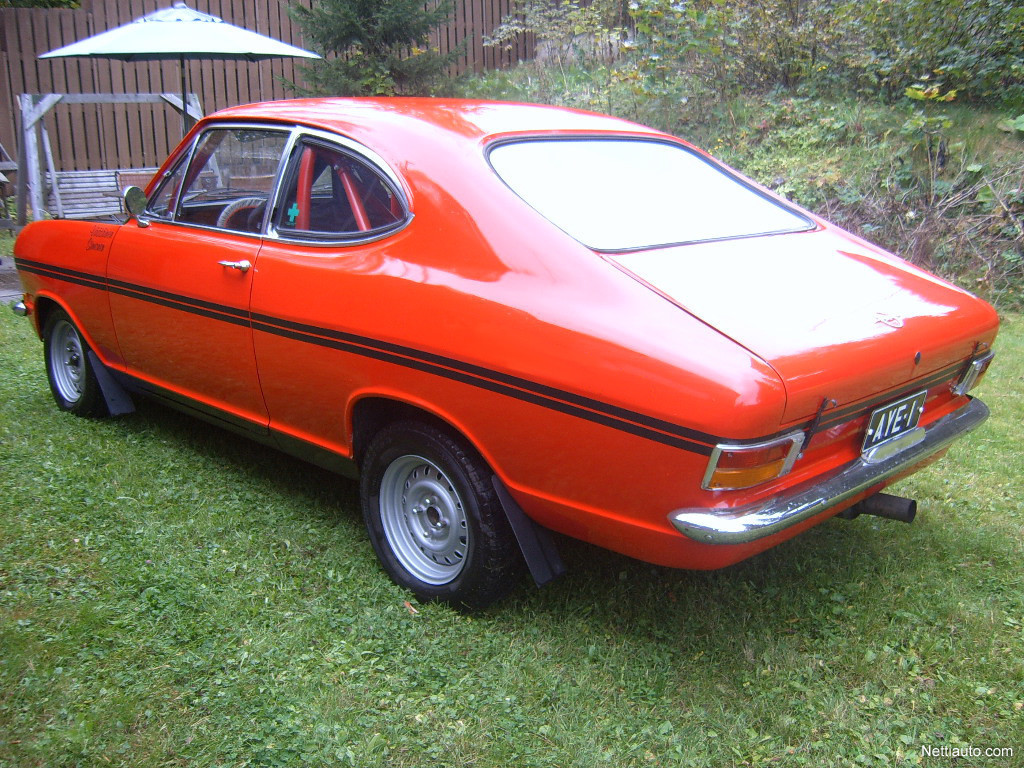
x: 229, y: 180
x: 330, y: 194
x: 162, y: 204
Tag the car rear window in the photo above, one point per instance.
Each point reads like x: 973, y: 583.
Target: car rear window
x: 632, y: 194
x: 329, y: 194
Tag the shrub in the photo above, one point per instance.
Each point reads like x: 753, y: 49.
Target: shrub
x: 380, y: 47
x: 877, y: 46
x: 974, y: 46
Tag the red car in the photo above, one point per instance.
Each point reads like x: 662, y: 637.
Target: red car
x: 508, y: 320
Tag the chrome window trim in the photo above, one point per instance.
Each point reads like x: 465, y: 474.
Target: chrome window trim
x: 362, y: 153
x: 295, y: 134
x: 182, y: 163
x: 274, y: 236
x: 358, y: 149
x: 190, y: 155
x: 811, y: 224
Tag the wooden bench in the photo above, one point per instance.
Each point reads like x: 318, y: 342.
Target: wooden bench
x: 90, y: 194
x: 134, y: 178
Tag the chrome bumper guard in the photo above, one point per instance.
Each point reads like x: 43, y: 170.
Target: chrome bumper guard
x: 745, y: 524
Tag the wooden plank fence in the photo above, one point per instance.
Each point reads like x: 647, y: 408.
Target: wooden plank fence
x: 110, y: 136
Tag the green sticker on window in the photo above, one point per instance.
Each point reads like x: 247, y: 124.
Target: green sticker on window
x: 293, y: 214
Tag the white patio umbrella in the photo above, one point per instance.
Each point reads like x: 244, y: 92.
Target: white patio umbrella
x: 179, y: 33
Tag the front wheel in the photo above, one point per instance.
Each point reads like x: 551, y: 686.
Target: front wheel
x: 434, y: 519
x: 71, y: 376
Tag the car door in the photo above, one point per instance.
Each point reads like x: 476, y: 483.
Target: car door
x: 333, y: 230
x: 181, y: 276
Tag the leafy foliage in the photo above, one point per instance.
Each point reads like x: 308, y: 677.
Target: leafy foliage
x: 742, y: 45
x: 567, y: 31
x: 373, y: 47
x: 659, y: 61
x: 879, y: 46
x: 927, y: 131
x: 975, y: 46
x: 1015, y: 125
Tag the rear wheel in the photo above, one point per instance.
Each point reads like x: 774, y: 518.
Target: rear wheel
x: 434, y: 519
x: 72, y: 379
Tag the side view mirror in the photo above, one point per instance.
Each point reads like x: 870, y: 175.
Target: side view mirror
x: 135, y: 203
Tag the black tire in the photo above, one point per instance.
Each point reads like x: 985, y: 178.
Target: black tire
x: 434, y: 519
x: 68, y: 369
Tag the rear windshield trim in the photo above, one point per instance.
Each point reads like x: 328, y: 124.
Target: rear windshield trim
x: 809, y: 226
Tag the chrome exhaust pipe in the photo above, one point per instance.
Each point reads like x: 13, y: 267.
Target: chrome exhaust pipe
x: 883, y: 505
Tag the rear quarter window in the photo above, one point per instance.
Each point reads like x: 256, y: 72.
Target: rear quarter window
x: 329, y: 194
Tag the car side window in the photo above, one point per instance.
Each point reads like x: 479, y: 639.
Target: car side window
x: 229, y: 180
x: 330, y: 194
x: 162, y: 204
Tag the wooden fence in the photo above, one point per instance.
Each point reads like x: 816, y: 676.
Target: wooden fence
x: 87, y: 136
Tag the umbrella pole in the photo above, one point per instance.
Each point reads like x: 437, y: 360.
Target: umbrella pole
x: 185, y: 122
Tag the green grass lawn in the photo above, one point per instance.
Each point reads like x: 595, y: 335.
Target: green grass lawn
x: 171, y: 594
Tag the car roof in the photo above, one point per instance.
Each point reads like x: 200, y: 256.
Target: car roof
x: 385, y: 119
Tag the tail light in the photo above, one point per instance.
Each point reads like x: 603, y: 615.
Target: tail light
x: 972, y: 373
x: 733, y: 467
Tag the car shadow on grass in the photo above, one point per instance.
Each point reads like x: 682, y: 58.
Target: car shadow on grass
x: 830, y: 583
x: 809, y: 587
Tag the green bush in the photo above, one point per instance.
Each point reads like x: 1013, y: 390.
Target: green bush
x: 877, y: 46
x: 379, y: 47
x: 974, y: 46
x: 566, y: 31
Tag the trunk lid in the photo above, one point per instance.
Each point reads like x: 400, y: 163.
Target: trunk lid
x: 834, y: 316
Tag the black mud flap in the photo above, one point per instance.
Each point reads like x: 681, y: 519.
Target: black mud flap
x: 118, y: 401
x: 538, y: 547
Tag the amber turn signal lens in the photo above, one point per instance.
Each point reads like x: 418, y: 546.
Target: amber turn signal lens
x: 742, y: 466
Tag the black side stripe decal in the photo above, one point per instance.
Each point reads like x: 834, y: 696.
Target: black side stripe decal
x: 176, y: 301
x: 68, y: 275
x: 516, y: 387
x: 522, y: 389
x: 452, y: 366
x: 164, y: 298
x: 487, y: 384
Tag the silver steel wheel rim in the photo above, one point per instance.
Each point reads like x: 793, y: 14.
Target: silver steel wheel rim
x: 424, y: 520
x: 67, y: 361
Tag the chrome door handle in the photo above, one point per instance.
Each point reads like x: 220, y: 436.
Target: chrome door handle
x: 241, y: 266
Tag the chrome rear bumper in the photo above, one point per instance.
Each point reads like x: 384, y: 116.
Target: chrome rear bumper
x: 746, y: 524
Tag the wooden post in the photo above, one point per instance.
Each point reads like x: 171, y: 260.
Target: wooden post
x: 28, y: 176
x: 192, y: 108
x: 35, y: 181
x: 34, y: 107
x: 21, y: 190
x: 52, y: 169
x: 32, y: 110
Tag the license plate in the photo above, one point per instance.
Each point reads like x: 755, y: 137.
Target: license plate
x: 895, y: 419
